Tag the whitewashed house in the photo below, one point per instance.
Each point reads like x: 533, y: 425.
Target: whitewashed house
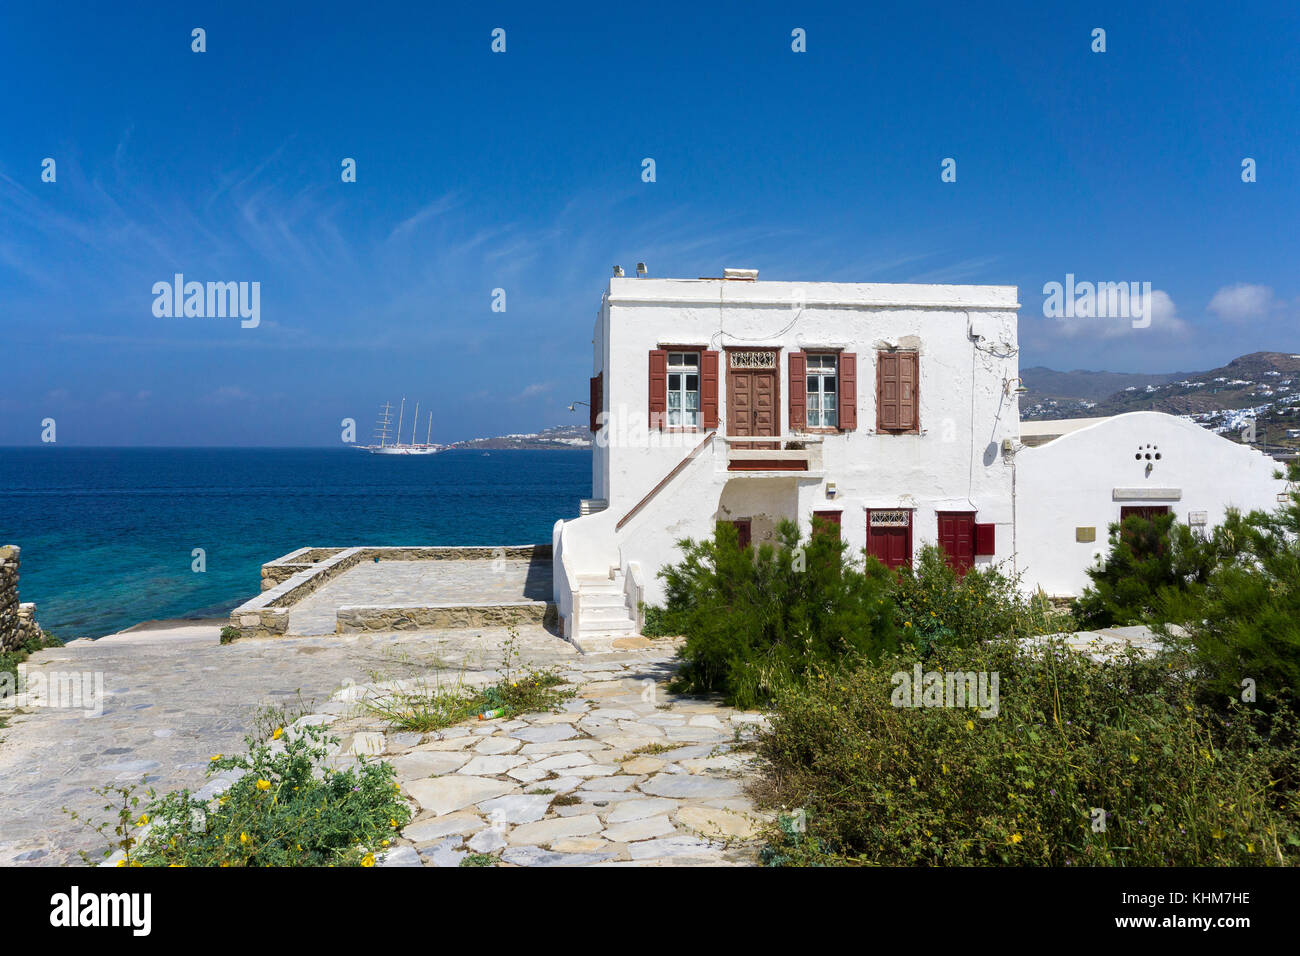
x: 888, y: 409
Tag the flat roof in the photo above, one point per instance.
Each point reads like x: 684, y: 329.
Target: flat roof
x: 630, y: 291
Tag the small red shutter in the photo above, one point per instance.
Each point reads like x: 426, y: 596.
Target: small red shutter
x: 709, y: 389
x: 798, y: 391
x: 658, y: 387
x: 984, y: 539
x: 848, y: 391
x: 908, y: 398
x: 597, y: 400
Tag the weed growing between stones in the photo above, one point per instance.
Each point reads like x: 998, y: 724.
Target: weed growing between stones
x: 229, y: 634
x: 519, y: 691
x: 478, y: 859
x: 286, y: 809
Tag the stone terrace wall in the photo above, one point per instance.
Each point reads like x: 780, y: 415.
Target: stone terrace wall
x: 17, y: 621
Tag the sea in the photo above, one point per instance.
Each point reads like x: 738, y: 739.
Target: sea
x: 108, y: 535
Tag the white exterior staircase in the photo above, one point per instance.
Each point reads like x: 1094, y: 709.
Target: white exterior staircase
x: 604, y: 607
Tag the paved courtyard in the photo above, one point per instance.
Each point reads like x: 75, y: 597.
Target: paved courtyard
x: 642, y: 777
x: 421, y: 583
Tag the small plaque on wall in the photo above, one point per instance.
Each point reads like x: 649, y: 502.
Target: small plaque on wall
x: 1085, y: 534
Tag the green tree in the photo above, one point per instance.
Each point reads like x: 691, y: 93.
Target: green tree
x: 759, y: 618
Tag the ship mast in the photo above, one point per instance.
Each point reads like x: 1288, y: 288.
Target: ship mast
x: 381, y: 426
x: 430, y: 431
x: 415, y: 422
x: 399, y: 420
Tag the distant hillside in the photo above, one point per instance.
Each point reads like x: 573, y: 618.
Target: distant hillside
x: 558, y: 437
x: 1264, y: 386
x: 1086, y: 386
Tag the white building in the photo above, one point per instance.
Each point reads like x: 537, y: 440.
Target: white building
x: 889, y: 409
x: 885, y: 407
x: 1096, y: 471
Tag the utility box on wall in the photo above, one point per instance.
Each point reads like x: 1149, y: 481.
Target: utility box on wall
x: 985, y: 539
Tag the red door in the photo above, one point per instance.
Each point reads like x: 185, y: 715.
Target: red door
x: 957, y: 538
x: 831, y: 517
x: 889, y: 537
x: 1142, y: 511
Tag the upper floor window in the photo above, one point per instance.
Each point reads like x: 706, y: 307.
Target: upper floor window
x: 822, y: 391
x: 897, y: 392
x: 684, y: 389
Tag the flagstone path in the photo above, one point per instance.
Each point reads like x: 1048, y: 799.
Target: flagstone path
x: 622, y: 774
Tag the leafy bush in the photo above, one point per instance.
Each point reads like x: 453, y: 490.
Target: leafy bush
x: 939, y: 606
x: 288, y: 809
x: 1244, y: 622
x: 872, y: 783
x: 1154, y: 567
x: 757, y: 619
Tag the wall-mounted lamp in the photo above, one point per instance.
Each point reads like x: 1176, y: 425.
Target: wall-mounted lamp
x: 1019, y: 389
x: 830, y: 489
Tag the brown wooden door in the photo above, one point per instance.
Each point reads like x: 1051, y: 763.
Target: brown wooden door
x: 831, y: 518
x: 744, y: 532
x: 957, y: 538
x: 752, y: 404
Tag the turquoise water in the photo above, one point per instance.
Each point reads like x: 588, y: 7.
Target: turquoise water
x: 107, y: 534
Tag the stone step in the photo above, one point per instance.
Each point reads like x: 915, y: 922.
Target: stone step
x: 600, y: 616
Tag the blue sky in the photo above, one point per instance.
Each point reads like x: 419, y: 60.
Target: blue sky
x: 522, y: 171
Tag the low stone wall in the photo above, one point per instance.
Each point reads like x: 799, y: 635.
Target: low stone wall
x: 17, y: 621
x: 290, y: 578
x: 353, y: 619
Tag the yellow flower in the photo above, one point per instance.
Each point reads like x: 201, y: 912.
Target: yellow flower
x: 214, y: 759
x: 368, y: 860
x: 243, y: 837
x: 970, y: 725
x: 1015, y: 838
x: 384, y: 843
x: 279, y: 732
x: 392, y: 822
x: 264, y: 785
x: 144, y: 818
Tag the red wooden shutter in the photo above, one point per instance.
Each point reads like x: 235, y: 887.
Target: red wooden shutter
x: 709, y: 389
x: 658, y: 387
x: 848, y: 391
x: 887, y: 387
x: 798, y: 391
x: 908, y: 395
x: 985, y: 539
x: 596, y: 401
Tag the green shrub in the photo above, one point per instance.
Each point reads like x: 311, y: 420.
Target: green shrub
x: 939, y: 606
x: 1154, y: 567
x: 288, y: 809
x: 229, y: 634
x: 1244, y: 622
x: 872, y: 783
x: 757, y: 619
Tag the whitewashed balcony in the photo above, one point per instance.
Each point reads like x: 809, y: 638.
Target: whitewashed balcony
x: 785, y: 456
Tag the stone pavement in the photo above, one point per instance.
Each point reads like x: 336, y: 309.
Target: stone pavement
x: 174, y: 696
x: 622, y: 774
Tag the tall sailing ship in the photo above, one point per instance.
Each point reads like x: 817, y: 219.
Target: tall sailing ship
x: 385, y: 447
